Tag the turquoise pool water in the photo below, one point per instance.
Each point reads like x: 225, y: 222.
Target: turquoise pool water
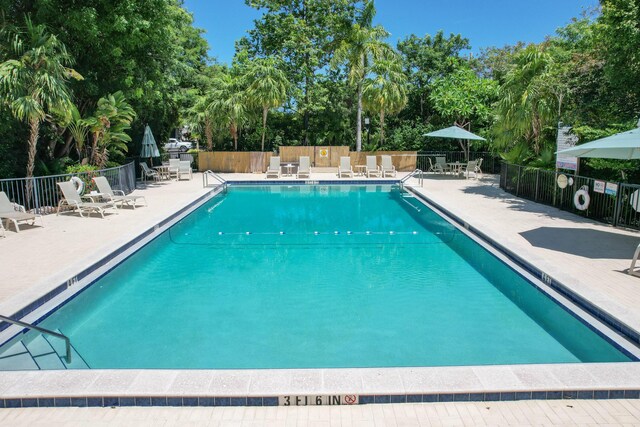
x: 319, y: 276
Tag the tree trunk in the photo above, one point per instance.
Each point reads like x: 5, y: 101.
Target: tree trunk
x: 234, y: 135
x: 208, y: 134
x: 381, y: 127
x: 34, y: 131
x: 265, y: 111
x: 359, y: 120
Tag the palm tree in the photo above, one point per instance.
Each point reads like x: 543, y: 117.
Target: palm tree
x: 268, y: 87
x: 386, y: 92
x: 107, y: 126
x: 201, y: 118
x: 363, y: 46
x: 33, y: 79
x: 229, y: 103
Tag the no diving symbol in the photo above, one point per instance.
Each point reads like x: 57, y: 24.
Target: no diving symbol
x: 350, y: 399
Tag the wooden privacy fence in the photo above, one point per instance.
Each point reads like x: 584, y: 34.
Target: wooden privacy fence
x: 234, y: 161
x: 321, y: 157
x: 404, y: 161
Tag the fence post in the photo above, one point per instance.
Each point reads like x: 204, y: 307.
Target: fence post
x: 36, y: 196
x: 618, y: 207
x: 535, y: 197
x: 518, y: 180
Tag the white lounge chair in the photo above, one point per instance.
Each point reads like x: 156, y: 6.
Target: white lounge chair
x: 372, y: 168
x: 304, y: 167
x: 174, y: 168
x: 149, y: 173
x: 184, y: 168
x: 470, y: 167
x: 116, y: 196
x: 479, y: 166
x: 387, y: 167
x: 9, y: 214
x: 71, y: 198
x: 434, y: 167
x: 274, y: 167
x: 345, y: 167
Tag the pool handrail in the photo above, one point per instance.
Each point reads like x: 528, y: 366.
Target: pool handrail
x: 66, y: 339
x: 412, y: 174
x: 212, y: 174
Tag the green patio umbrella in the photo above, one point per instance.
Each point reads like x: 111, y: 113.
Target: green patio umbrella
x: 624, y: 145
x: 456, y: 132
x: 149, y: 148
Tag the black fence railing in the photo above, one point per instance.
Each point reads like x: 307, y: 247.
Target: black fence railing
x: 610, y: 202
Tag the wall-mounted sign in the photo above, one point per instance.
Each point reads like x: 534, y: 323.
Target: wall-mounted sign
x: 564, y: 141
x: 611, y: 189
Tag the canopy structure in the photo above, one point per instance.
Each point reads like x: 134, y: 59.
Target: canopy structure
x: 149, y: 148
x: 455, y: 132
x: 624, y: 145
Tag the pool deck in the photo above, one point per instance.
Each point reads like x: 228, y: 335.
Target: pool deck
x: 587, y: 257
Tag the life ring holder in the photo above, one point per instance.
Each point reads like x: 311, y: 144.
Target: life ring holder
x: 581, y: 199
x: 78, y: 184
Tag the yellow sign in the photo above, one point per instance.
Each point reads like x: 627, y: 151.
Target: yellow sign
x: 324, y: 152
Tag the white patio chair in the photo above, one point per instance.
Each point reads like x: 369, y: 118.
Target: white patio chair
x: 274, y: 167
x: 441, y: 164
x: 71, y: 198
x: 174, y: 168
x: 386, y: 166
x: 184, y: 169
x: 345, y: 167
x: 304, y: 167
x: 469, y: 168
x: 116, y: 196
x: 148, y: 172
x: 9, y: 214
x: 372, y: 168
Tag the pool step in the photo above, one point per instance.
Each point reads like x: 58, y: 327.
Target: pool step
x: 36, y: 351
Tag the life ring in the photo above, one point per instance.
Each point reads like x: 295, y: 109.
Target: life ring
x: 78, y: 183
x: 581, y: 199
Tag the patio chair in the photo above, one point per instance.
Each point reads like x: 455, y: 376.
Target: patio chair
x: 274, y: 167
x: 174, y: 168
x: 184, y: 168
x: 470, y: 167
x: 9, y: 214
x: 345, y: 167
x: 372, y: 167
x: 116, y: 196
x: 71, y: 198
x: 386, y: 167
x: 441, y: 164
x: 434, y: 167
x: 148, y: 172
x: 478, y: 166
x: 304, y: 167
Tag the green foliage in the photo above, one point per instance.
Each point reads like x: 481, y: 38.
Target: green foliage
x: 77, y: 168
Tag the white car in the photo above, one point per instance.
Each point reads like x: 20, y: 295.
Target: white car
x: 174, y: 144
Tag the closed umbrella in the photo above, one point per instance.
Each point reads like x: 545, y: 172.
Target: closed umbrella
x: 149, y: 148
x: 456, y: 132
x: 624, y: 145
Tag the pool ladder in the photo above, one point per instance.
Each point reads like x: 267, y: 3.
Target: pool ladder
x: 411, y: 175
x: 211, y: 174
x: 67, y: 341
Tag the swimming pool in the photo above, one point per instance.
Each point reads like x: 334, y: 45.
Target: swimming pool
x: 319, y: 276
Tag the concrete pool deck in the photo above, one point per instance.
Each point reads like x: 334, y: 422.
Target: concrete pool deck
x: 559, y: 243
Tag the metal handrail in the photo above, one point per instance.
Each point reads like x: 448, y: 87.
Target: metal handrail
x: 412, y: 174
x: 66, y: 339
x: 205, y: 179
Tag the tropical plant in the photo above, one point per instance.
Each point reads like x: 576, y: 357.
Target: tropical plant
x: 229, y: 103
x: 268, y: 86
x: 33, y: 78
x: 108, y: 126
x: 386, y: 91
x: 363, y: 46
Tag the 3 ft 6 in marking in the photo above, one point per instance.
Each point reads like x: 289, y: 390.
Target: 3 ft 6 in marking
x: 330, y: 400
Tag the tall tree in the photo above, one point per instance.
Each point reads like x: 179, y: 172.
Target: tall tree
x: 33, y: 78
x: 268, y: 86
x: 386, y: 91
x: 229, y: 103
x: 363, y: 46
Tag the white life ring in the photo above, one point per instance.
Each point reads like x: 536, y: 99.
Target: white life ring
x: 78, y: 183
x: 581, y: 199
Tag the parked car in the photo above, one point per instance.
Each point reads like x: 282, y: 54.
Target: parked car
x: 174, y: 144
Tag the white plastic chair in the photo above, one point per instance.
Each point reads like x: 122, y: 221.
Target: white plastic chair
x: 345, y: 167
x: 184, y: 168
x: 304, y: 167
x: 372, y: 167
x: 386, y: 166
x: 274, y: 167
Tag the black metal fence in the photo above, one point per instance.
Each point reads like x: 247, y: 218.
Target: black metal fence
x: 614, y: 203
x: 41, y: 195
